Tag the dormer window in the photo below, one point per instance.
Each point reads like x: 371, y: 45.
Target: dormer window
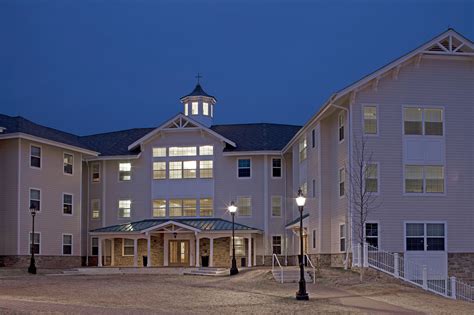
x: 205, y: 109
x: 194, y: 108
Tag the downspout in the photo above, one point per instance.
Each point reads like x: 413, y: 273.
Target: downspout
x: 87, y: 215
x: 283, y: 161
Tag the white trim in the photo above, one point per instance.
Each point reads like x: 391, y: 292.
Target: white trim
x: 246, y: 153
x: 424, y: 107
x: 118, y: 172
x: 41, y: 157
x: 92, y: 208
x: 113, y: 157
x: 91, y: 173
x: 379, y: 235
x: 343, y: 168
x: 281, y: 242
x: 424, y: 193
x: 118, y: 208
x: 170, y: 222
x: 340, y: 238
x: 237, y: 165
x: 343, y: 126
x: 64, y: 164
x: 72, y: 204
x: 377, y: 118
x: 72, y: 244
x: 123, y: 247
x: 22, y: 135
x: 281, y: 168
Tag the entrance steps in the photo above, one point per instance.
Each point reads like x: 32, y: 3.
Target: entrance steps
x: 208, y: 271
x: 291, y: 275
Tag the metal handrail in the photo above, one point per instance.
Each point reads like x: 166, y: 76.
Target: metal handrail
x: 274, y: 256
x: 312, y: 266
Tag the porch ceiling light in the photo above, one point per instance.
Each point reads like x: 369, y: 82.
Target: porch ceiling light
x: 300, y: 199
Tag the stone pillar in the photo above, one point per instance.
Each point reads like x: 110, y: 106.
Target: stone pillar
x: 148, y: 261
x: 99, y: 256
x: 135, y: 252
x: 112, y: 252
x: 249, y: 255
x: 254, y: 252
x: 211, y: 252
x: 196, y: 253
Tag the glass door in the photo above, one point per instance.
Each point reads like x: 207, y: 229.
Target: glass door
x: 179, y: 253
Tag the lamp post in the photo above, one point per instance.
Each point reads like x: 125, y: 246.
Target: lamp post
x: 233, y: 209
x: 32, y: 267
x: 301, y: 294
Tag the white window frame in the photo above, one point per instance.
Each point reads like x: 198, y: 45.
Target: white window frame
x: 314, y: 238
x: 92, y: 208
x: 343, y: 169
x: 205, y: 108
x: 206, y: 169
x: 39, y: 244
x: 92, y: 246
x: 40, y: 157
x: 237, y: 164
x: 118, y: 208
x: 342, y: 238
x: 72, y: 242
x: 237, y: 246
x: 181, y: 151
x: 153, y: 208
x: 156, y: 170
x: 123, y: 247
x: 40, y: 200
x: 281, y: 243
x: 424, y: 193
x: 341, y: 125
x: 212, y: 207
x: 303, y: 149
x: 64, y: 163
x: 376, y: 117
x: 378, y: 232
x: 425, y: 236
x: 239, y: 213
x: 194, y: 113
x: 281, y: 168
x: 206, y: 148
x: 424, y: 107
x: 186, y: 109
x: 281, y: 205
x: 72, y: 204
x: 92, y: 172
x: 378, y: 177
x: 159, y: 156
x: 212, y: 110
x: 131, y: 176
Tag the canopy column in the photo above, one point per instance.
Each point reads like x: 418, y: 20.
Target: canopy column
x: 135, y: 252
x: 112, y: 252
x: 249, y: 255
x: 197, y: 249
x: 148, y: 260
x: 211, y: 252
x: 99, y: 256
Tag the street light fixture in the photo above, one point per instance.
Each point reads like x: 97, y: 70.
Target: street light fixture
x: 32, y: 267
x: 233, y: 209
x: 301, y: 294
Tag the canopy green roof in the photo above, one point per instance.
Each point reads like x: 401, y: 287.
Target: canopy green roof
x: 297, y: 220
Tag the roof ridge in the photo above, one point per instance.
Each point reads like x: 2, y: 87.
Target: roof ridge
x: 116, y: 131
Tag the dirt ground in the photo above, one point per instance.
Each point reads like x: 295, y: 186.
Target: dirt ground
x: 250, y: 292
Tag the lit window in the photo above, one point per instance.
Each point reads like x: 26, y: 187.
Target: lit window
x: 159, y: 208
x: 189, y: 169
x: 35, y: 199
x: 341, y: 121
x: 212, y: 110
x: 68, y: 163
x: 342, y: 179
x: 418, y: 121
x: 95, y: 206
x: 95, y: 246
x: 176, y: 170
x: 125, y: 171
x: 206, y: 150
x: 239, y: 246
x: 35, y: 156
x: 304, y: 189
x: 194, y: 108
x: 434, y: 179
x: 95, y: 171
x: 67, y: 244
x: 182, y: 151
x: 182, y: 207
x: 186, y: 109
x: 372, y: 234
x: 371, y: 178
x: 189, y: 207
x: 276, y: 206
x: 206, y: 208
x: 276, y: 168
x: 276, y: 244
x: 176, y: 207
x: 67, y: 204
x: 205, y: 109
x: 244, y: 168
x: 370, y: 120
x: 302, y: 149
x: 342, y: 237
x: 244, y: 205
x: 159, y: 170
x: 433, y: 122
x: 36, y: 243
x: 128, y: 247
x: 424, y: 179
x: 159, y: 152
x: 205, y: 169
x: 125, y: 208
x: 413, y: 121
x: 425, y: 237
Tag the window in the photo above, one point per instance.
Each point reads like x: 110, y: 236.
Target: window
x: 314, y: 238
x: 205, y: 169
x: 95, y: 206
x: 304, y: 189
x: 67, y: 204
x: 186, y: 110
x: 189, y: 169
x: 418, y: 121
x: 182, y: 151
x: 159, y: 208
x: 125, y: 208
x: 314, y: 188
x: 212, y: 110
x: 276, y: 206
x: 340, y: 123
x: 313, y: 138
x: 276, y: 244
x: 36, y: 243
x: 125, y: 171
x: 424, y: 179
x: 276, y: 168
x: 176, y: 207
x: 206, y: 150
x: 67, y: 244
x: 35, y: 156
x: 128, y: 247
x: 176, y: 170
x: 205, y: 109
x: 35, y: 199
x: 372, y: 234
x: 159, y: 170
x: 302, y: 149
x: 371, y: 178
x: 244, y: 205
x: 159, y: 152
x: 244, y: 167
x: 206, y: 208
x: 189, y: 207
x: 68, y: 161
x: 425, y: 237
x: 95, y: 171
x: 194, y: 108
x: 370, y: 120
x: 239, y: 246
x: 342, y: 237
x: 342, y: 179
x: 95, y: 246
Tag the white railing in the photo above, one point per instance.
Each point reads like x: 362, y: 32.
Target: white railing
x: 407, y: 270
x: 312, y: 266
x: 275, y: 257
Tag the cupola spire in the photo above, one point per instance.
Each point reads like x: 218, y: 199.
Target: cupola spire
x: 198, y: 104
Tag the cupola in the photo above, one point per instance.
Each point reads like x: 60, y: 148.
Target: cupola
x: 199, y: 105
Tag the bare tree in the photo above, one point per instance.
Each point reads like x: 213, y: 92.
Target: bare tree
x: 363, y: 179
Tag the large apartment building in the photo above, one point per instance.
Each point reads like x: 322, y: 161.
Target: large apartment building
x: 159, y: 196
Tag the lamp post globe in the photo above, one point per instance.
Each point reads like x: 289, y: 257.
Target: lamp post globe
x: 301, y: 294
x: 32, y: 267
x: 233, y: 209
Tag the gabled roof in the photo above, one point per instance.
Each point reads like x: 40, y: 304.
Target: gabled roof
x: 198, y: 91
x: 257, y: 137
x: 202, y: 224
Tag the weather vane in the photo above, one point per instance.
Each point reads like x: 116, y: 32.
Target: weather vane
x: 199, y: 76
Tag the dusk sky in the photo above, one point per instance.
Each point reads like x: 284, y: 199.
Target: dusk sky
x: 94, y: 66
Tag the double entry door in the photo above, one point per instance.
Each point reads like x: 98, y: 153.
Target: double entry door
x: 178, y: 252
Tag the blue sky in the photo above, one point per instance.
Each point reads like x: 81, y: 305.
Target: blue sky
x: 95, y: 66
